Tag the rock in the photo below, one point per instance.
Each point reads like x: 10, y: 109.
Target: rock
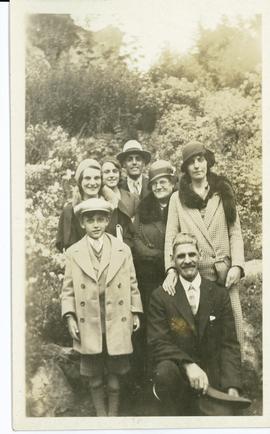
x: 250, y: 353
x: 50, y: 393
x: 253, y: 267
x: 67, y: 359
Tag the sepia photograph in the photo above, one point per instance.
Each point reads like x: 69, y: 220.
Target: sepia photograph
x: 137, y: 141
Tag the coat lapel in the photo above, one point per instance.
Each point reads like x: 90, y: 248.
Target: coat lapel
x: 145, y: 191
x: 160, y: 227
x: 195, y: 214
x: 182, y: 305
x: 82, y: 257
x: 204, y: 307
x: 117, y: 258
x: 211, y: 208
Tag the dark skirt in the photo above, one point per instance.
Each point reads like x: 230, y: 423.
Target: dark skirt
x: 96, y: 365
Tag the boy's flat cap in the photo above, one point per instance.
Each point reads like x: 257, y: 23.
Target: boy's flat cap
x: 92, y: 205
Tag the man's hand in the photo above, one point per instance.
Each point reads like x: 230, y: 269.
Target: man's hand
x: 170, y: 282
x: 233, y: 392
x: 233, y: 276
x: 197, y: 377
x: 136, y: 322
x: 73, y: 328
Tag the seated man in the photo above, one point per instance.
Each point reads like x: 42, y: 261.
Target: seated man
x: 192, y: 339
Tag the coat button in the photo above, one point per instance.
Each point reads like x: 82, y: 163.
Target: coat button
x: 121, y: 302
x: 83, y: 286
x: 82, y: 319
x: 109, y: 302
x: 119, y: 285
x: 213, y: 256
x: 82, y: 303
x: 123, y: 319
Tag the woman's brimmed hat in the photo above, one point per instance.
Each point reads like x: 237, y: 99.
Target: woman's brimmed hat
x: 88, y: 162
x: 92, y: 205
x: 161, y: 168
x: 195, y: 148
x: 133, y: 147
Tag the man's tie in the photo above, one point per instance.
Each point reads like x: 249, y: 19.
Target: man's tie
x: 136, y: 186
x: 192, y: 299
x: 97, y: 244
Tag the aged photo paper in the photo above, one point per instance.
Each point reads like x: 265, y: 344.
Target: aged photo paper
x: 86, y: 77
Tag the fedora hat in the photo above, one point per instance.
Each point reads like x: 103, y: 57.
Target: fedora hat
x: 220, y: 403
x: 133, y: 147
x: 88, y: 162
x: 161, y: 168
x: 194, y: 148
x: 92, y: 205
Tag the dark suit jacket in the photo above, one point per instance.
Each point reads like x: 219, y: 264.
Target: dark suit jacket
x: 123, y: 184
x: 172, y: 334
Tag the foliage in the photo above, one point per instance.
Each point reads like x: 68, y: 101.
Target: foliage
x: 251, y: 301
x: 90, y: 107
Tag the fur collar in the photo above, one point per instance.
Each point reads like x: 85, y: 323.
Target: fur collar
x: 218, y: 184
x: 149, y: 210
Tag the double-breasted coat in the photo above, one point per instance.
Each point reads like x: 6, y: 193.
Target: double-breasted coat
x: 216, y: 239
x: 211, y: 343
x: 80, y: 296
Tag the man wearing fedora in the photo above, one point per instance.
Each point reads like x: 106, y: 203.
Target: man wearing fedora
x: 192, y: 341
x: 133, y: 158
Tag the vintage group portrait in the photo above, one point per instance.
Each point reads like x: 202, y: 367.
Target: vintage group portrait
x: 137, y: 135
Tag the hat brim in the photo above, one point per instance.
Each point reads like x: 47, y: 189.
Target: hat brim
x: 123, y: 155
x: 209, y: 155
x: 239, y: 401
x: 173, y: 178
x: 80, y: 212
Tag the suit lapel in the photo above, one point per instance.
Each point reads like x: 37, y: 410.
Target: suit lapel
x: 106, y: 255
x: 182, y: 305
x: 82, y: 257
x: 204, y: 307
x: 145, y: 190
x: 116, y: 259
x: 211, y: 209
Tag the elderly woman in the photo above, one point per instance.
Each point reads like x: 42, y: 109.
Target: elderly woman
x: 148, y: 249
x: 205, y: 207
x: 150, y: 225
x: 111, y: 170
x: 89, y: 185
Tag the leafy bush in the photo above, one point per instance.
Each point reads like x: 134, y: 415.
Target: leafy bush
x: 251, y: 301
x: 90, y: 108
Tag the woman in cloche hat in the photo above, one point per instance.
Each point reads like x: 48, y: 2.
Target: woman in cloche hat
x: 205, y: 207
x: 150, y: 224
x: 89, y: 185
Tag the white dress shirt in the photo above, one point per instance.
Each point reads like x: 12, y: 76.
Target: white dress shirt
x: 196, y: 283
x: 97, y: 244
x: 132, y: 183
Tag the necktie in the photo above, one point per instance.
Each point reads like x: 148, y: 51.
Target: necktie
x: 136, y: 186
x: 97, y: 244
x: 192, y: 299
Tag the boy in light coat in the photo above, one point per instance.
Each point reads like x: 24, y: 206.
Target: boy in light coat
x: 101, y: 301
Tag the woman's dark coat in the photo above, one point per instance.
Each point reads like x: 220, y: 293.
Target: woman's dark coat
x: 148, y: 245
x: 70, y: 231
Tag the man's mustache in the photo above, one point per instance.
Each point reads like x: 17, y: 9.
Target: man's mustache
x: 189, y: 266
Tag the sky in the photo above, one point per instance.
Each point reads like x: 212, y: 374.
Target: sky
x: 158, y: 24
